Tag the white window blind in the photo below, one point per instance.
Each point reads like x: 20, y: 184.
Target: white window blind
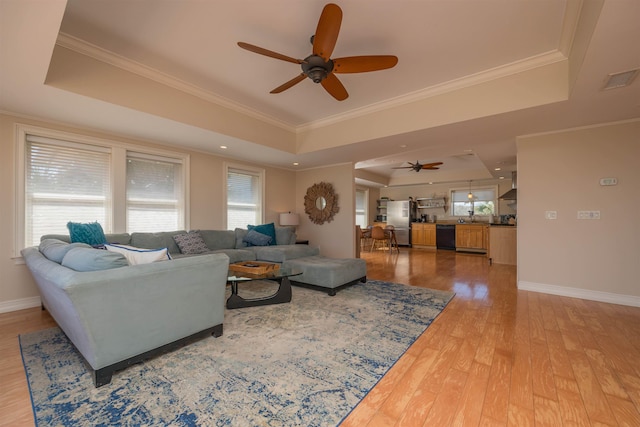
x: 64, y: 182
x: 244, y: 198
x: 483, y: 202
x: 154, y: 193
x: 361, y: 208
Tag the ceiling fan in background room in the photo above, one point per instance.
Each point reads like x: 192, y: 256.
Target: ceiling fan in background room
x: 319, y: 66
x: 418, y: 167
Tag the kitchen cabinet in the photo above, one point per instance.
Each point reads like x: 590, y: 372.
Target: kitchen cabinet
x: 503, y: 245
x: 471, y: 237
x: 423, y: 235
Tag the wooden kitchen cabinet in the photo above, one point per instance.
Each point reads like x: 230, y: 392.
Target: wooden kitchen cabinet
x: 503, y: 245
x: 423, y: 235
x: 471, y: 237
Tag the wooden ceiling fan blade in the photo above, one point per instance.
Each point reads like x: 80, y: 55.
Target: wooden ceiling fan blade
x: 363, y: 64
x: 432, y: 165
x: 294, y: 81
x: 335, y: 87
x: 269, y: 53
x: 327, y: 31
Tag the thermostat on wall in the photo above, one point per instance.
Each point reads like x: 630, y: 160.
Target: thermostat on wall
x: 608, y: 181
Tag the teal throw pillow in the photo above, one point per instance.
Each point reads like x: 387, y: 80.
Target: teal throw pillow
x: 89, y: 233
x: 268, y: 229
x: 253, y: 238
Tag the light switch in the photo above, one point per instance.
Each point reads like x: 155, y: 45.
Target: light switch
x: 588, y: 214
x: 551, y: 215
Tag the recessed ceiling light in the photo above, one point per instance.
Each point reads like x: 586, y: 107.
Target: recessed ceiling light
x: 502, y: 177
x: 497, y: 169
x: 295, y: 163
x: 224, y: 147
x: 403, y: 146
x: 621, y: 79
x: 468, y: 151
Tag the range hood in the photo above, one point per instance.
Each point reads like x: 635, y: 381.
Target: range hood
x: 513, y: 193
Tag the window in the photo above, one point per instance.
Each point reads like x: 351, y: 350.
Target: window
x: 154, y: 193
x: 483, y: 202
x: 65, y: 177
x: 245, y: 189
x: 64, y: 182
x: 361, y: 208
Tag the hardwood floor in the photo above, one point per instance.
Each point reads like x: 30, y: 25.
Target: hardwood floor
x: 496, y: 356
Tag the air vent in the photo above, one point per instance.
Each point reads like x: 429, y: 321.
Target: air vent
x: 621, y: 79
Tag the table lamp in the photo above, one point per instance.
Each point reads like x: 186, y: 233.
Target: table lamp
x: 288, y: 218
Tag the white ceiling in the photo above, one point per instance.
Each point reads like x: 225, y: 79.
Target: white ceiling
x: 441, y: 45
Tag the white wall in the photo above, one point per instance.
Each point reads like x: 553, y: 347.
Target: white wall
x: 336, y: 239
x: 17, y: 289
x: 593, y: 259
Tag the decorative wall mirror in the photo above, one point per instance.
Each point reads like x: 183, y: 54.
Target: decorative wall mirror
x: 321, y: 203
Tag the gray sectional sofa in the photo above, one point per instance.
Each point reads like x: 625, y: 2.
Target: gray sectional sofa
x: 117, y: 314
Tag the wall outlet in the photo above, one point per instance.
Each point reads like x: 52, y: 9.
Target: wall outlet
x: 551, y: 215
x: 588, y: 214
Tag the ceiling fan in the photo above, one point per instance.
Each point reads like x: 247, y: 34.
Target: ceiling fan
x: 418, y: 167
x: 319, y: 66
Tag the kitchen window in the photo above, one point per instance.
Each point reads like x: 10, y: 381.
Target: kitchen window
x: 64, y: 177
x: 483, y: 202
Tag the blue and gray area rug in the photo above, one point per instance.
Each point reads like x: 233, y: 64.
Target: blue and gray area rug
x: 307, y: 363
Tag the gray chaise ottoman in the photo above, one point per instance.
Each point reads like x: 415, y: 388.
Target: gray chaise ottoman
x: 329, y: 273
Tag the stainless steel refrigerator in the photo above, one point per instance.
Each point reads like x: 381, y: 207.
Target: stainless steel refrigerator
x: 400, y: 214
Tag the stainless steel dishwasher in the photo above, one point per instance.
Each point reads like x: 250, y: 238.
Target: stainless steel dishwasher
x: 446, y: 236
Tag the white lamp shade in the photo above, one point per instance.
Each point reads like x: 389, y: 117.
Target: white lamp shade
x: 289, y: 218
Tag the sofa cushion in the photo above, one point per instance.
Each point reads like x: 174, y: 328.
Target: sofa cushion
x: 219, y: 239
x: 285, y: 235
x: 283, y: 253
x: 254, y: 238
x: 237, y: 255
x: 268, y: 229
x: 240, y: 233
x: 119, y: 238
x: 137, y: 256
x: 163, y: 239
x: 55, y: 250
x: 191, y: 243
x: 90, y: 259
x: 89, y: 233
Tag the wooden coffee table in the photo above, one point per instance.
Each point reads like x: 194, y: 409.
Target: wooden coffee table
x: 280, y: 275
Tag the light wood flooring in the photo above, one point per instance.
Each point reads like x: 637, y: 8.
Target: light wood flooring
x: 496, y: 356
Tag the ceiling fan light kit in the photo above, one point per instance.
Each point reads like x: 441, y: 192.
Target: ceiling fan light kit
x: 319, y: 66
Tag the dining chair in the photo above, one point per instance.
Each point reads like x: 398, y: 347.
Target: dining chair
x: 378, y: 235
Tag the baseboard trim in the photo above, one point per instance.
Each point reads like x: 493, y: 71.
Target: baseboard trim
x: 565, y: 291
x: 19, y: 304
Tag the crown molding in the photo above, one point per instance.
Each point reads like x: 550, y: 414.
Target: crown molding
x: 496, y: 73
x: 103, y: 55
x: 85, y: 48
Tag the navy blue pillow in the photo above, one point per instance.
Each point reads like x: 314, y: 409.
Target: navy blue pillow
x: 90, y: 233
x: 253, y: 238
x: 268, y: 229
